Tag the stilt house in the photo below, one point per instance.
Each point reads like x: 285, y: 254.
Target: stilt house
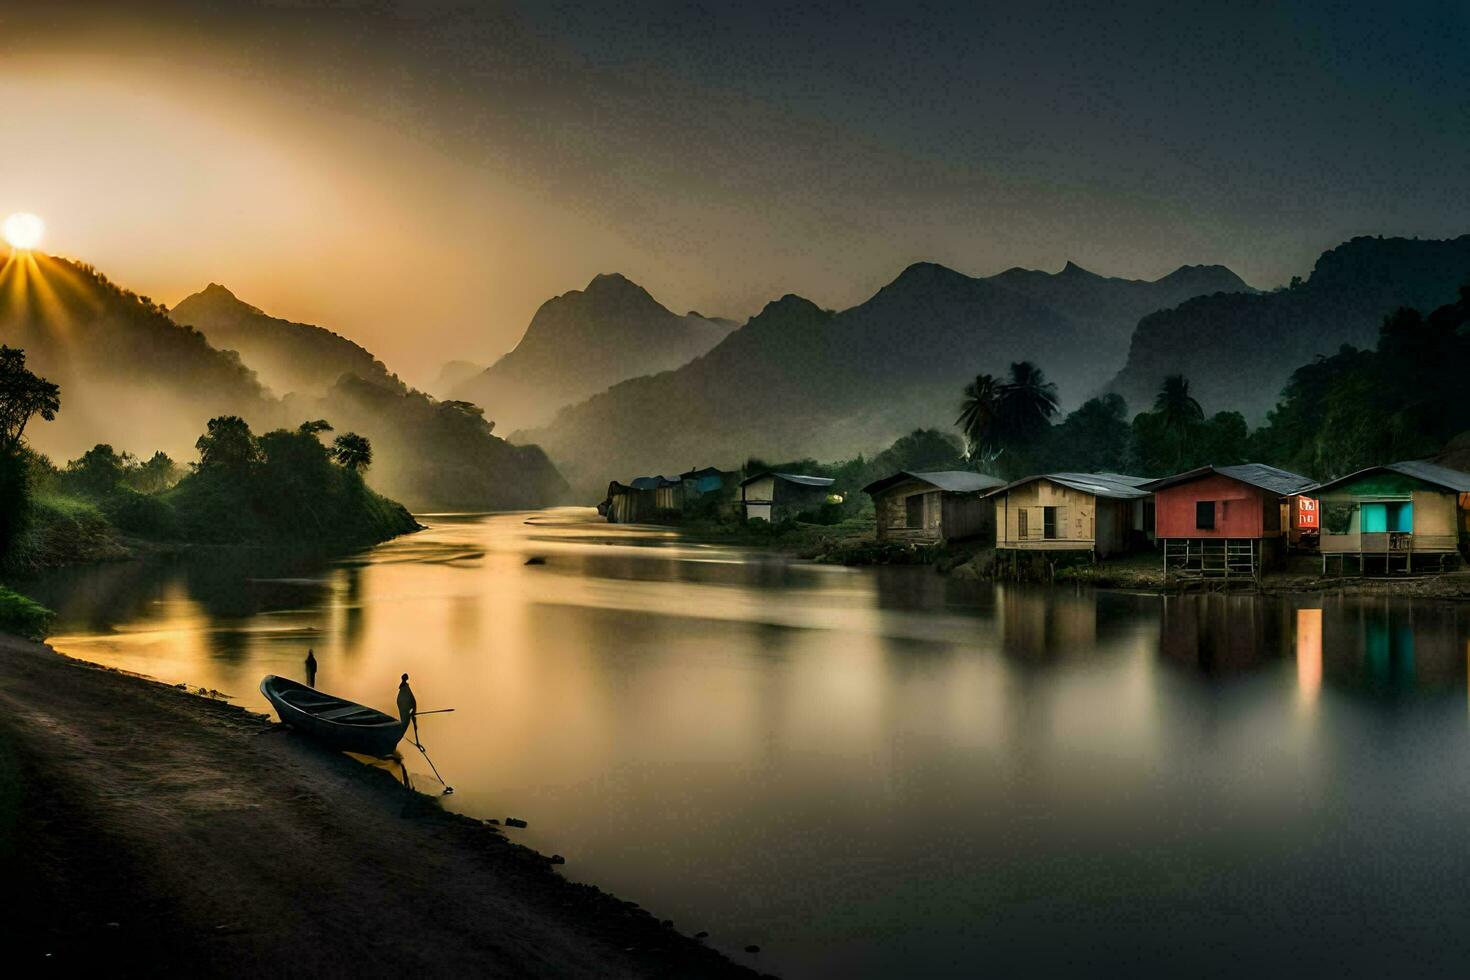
x: 1104, y: 513
x: 1225, y: 520
x: 1397, y: 518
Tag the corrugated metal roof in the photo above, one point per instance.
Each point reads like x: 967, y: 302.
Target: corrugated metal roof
x: 1419, y: 469
x: 950, y: 481
x: 1115, y: 485
x: 802, y: 478
x: 1260, y: 475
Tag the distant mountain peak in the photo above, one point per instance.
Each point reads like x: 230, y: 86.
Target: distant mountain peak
x: 1073, y: 269
x: 215, y: 298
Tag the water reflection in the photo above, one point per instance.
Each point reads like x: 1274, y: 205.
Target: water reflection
x: 875, y: 772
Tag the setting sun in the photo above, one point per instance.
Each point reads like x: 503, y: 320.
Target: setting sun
x: 23, y: 230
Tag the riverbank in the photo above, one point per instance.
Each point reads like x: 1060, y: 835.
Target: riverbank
x: 154, y: 831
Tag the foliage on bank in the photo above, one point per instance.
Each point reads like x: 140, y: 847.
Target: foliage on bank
x: 22, y: 616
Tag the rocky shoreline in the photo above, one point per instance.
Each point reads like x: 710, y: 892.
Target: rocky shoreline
x: 155, y: 830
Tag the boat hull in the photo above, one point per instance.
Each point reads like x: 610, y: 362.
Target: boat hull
x: 355, y: 727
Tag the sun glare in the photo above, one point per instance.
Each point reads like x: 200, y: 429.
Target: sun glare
x: 23, y: 231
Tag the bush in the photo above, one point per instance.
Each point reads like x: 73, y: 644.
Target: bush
x: 22, y: 616
x: 142, y: 514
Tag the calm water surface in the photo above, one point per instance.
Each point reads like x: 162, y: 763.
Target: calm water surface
x: 884, y: 772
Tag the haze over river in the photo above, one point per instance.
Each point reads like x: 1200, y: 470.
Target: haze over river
x: 882, y: 771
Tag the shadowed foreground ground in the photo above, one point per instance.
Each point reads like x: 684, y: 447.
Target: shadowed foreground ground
x: 149, y: 830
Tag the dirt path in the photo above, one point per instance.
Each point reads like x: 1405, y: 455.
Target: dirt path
x: 154, y: 831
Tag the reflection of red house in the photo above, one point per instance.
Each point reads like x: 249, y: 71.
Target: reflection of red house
x: 1224, y: 520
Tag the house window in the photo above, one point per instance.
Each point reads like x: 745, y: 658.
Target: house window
x: 1022, y: 530
x: 914, y: 511
x: 1204, y: 514
x: 1380, y: 518
x: 1048, y: 522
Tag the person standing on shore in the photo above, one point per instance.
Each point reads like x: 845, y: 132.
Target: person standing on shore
x: 310, y: 668
x: 408, y: 706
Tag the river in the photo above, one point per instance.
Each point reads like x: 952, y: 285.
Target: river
x: 883, y: 771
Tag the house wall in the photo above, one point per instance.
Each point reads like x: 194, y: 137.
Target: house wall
x: 1240, y: 509
x: 1076, y: 513
x: 891, y: 510
x: 1436, y: 520
x: 761, y: 490
x: 966, y: 516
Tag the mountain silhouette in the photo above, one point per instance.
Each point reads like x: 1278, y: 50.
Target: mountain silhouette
x: 1239, y: 350
x: 581, y: 342
x: 797, y: 380
x: 289, y: 357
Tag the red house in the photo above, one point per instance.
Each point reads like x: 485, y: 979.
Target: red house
x: 1225, y: 520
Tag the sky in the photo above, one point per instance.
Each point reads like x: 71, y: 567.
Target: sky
x: 422, y: 176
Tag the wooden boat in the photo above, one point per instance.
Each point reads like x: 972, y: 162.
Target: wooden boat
x: 342, y: 724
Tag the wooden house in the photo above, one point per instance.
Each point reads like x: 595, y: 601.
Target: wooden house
x: 1102, y: 513
x: 777, y: 497
x: 1400, y: 517
x: 1225, y: 520
x: 933, y: 507
x: 646, y: 500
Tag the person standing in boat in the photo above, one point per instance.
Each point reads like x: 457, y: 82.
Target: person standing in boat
x: 310, y: 668
x: 408, y: 706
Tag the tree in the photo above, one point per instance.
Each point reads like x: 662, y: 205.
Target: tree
x: 155, y: 475
x: 23, y: 395
x: 316, y: 427
x: 228, y: 442
x: 978, y: 412
x: 353, y: 451
x: 922, y: 449
x: 1095, y: 438
x: 1178, y: 412
x: 1025, y: 405
x: 97, y: 472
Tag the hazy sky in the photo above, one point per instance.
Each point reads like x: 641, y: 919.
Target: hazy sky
x: 420, y: 176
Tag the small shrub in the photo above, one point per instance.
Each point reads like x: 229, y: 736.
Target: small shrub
x: 23, y: 616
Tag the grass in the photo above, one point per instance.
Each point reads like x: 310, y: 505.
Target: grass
x: 22, y: 616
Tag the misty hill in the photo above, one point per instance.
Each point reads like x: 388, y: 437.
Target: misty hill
x: 132, y: 377
x: 1238, y: 350
x: 289, y: 357
x: 129, y: 375
x: 799, y: 381
x: 430, y: 454
x: 581, y: 342
x: 453, y: 374
x: 1111, y: 307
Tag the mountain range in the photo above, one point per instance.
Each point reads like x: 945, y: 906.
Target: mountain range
x: 581, y: 342
x: 798, y: 380
x: 1238, y: 350
x: 134, y: 378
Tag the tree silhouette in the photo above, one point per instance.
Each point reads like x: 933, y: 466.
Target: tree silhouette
x: 23, y: 395
x: 353, y: 451
x: 978, y: 413
x: 1025, y: 405
x: 315, y: 426
x: 228, y: 442
x: 1178, y: 411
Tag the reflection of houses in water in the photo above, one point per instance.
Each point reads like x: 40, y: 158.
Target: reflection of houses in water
x: 1221, y: 633
x: 1395, y: 645
x: 1044, y: 623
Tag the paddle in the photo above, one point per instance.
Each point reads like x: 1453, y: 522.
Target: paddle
x: 436, y: 711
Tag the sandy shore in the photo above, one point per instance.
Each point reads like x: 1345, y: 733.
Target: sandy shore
x: 151, y: 831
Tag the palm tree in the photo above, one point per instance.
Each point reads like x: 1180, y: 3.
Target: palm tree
x: 978, y: 416
x: 352, y: 451
x: 1178, y: 411
x: 1025, y: 404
